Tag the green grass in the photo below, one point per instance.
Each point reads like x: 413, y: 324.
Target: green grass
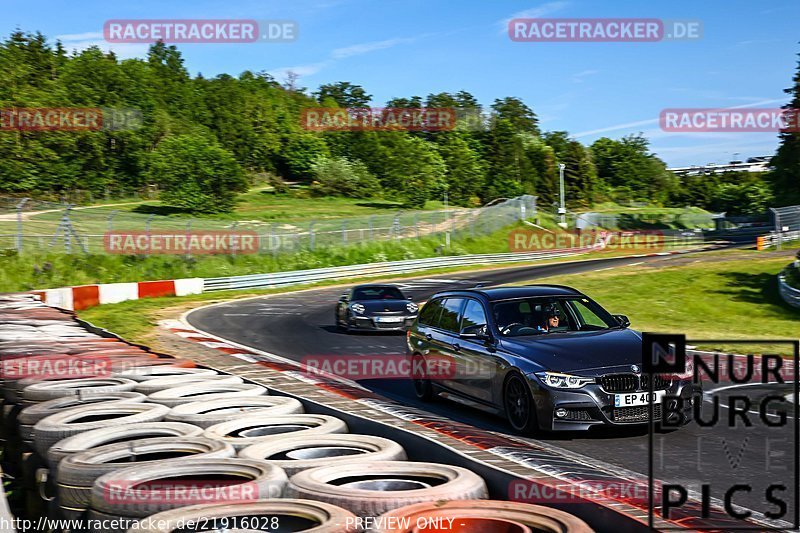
x: 735, y: 296
x: 40, y: 271
x: 613, y: 208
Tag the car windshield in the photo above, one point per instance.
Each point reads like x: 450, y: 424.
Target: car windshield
x: 378, y: 293
x: 544, y: 315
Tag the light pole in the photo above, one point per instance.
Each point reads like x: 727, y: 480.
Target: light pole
x: 562, y: 210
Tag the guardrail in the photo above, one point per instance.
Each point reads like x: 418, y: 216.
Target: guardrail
x: 297, y: 277
x: 789, y: 294
x: 775, y: 238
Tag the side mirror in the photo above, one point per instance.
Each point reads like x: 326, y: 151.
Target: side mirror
x: 477, y: 332
x: 344, y: 298
x: 623, y: 320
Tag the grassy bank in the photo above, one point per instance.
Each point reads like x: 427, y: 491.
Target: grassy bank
x: 729, y: 295
x: 39, y: 271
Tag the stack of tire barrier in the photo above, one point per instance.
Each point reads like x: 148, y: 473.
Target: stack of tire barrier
x: 148, y: 443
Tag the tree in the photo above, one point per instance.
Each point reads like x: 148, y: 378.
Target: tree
x: 337, y: 176
x: 411, y: 168
x: 628, y: 167
x: 344, y: 94
x: 196, y: 174
x: 299, y: 153
x: 786, y: 162
x: 514, y: 110
x: 465, y: 170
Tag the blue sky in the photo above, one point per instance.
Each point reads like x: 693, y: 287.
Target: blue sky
x: 746, y: 57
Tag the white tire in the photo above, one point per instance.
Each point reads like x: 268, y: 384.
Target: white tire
x: 140, y: 491
x: 170, y: 382
x: 211, y: 412
x: 77, y: 473
x: 54, y: 428
x: 102, y: 436
x: 147, y: 373
x: 202, y: 391
x: 35, y: 412
x: 48, y: 390
x: 295, y: 454
x: 382, y: 486
x: 243, y: 432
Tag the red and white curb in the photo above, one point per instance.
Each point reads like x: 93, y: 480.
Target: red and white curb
x: 85, y: 296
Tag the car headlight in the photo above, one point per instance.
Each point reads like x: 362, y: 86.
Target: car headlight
x: 557, y: 380
x: 358, y: 308
x: 412, y: 307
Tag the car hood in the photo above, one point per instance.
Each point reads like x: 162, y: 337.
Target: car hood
x: 384, y: 306
x: 587, y: 353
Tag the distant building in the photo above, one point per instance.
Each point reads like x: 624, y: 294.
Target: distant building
x: 753, y: 164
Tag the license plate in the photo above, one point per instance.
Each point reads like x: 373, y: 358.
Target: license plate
x: 637, y: 398
x: 390, y: 319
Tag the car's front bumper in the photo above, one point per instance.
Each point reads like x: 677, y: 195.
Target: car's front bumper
x: 371, y: 323
x: 592, y: 406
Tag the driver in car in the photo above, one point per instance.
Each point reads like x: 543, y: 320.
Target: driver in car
x: 551, y: 322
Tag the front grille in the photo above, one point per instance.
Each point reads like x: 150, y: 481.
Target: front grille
x: 636, y: 414
x: 619, y: 382
x: 578, y: 414
x: 659, y: 382
x: 632, y: 382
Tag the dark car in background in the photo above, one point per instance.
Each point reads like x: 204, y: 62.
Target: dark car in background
x: 375, y: 308
x: 546, y: 357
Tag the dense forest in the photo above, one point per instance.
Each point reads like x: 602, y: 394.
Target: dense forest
x: 203, y: 140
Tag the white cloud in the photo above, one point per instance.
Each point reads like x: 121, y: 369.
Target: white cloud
x: 629, y: 125
x: 365, y: 48
x: 77, y: 42
x: 578, y: 77
x: 344, y: 53
x: 532, y: 13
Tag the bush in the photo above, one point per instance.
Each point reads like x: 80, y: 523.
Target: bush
x: 196, y: 174
x: 339, y: 176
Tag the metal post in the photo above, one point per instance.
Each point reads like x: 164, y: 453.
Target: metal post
x: 396, y: 227
x: 416, y: 224
x: 344, y: 232
x: 446, y: 213
x: 20, y: 205
x: 562, y: 210
x: 234, y: 243
x: 312, y: 236
x: 522, y: 208
x: 67, y: 233
x: 778, y: 229
x: 147, y: 230
x: 369, y: 220
x: 111, y: 221
x: 273, y: 248
x: 188, y: 238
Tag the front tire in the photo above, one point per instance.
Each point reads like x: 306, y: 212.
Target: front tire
x: 519, y: 405
x: 423, y: 389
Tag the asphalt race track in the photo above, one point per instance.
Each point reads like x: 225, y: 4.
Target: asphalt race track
x: 298, y: 325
